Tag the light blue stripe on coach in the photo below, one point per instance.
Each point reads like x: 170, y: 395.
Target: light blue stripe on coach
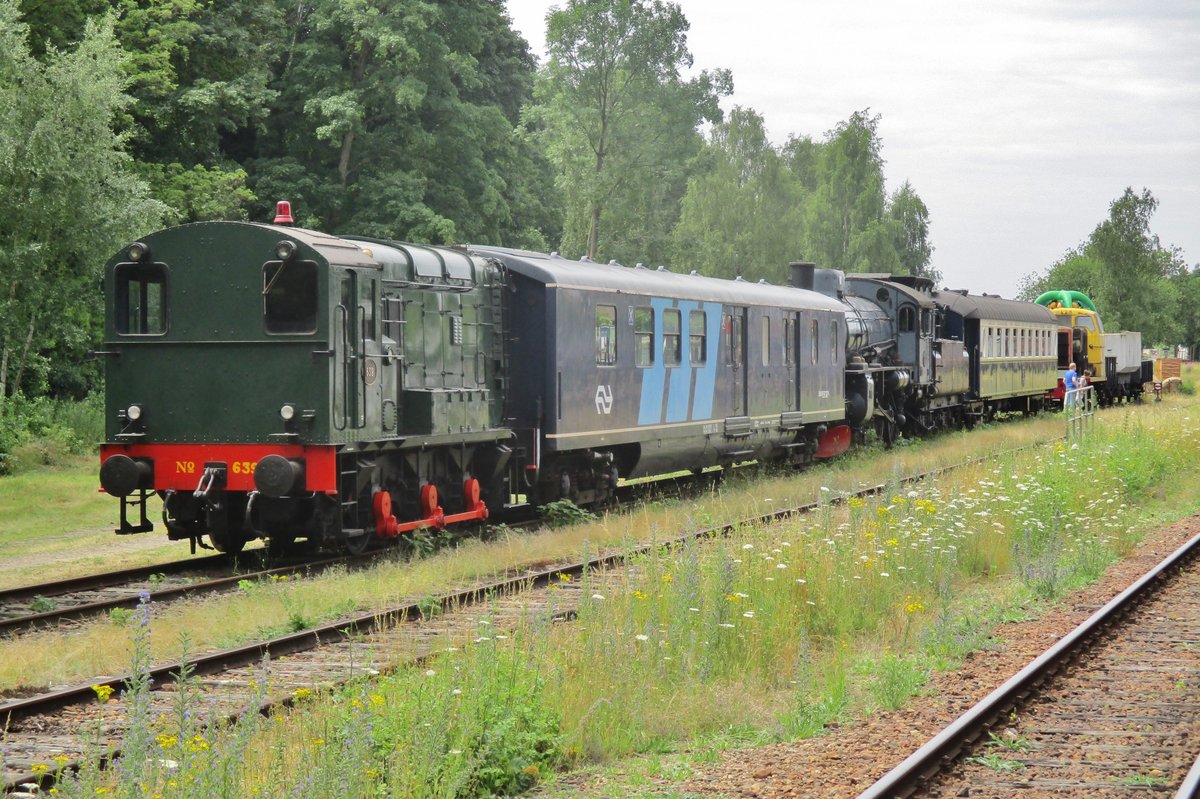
x: 654, y: 377
x: 706, y: 375
x: 680, y: 388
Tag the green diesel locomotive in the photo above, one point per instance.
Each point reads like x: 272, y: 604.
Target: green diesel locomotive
x: 278, y: 382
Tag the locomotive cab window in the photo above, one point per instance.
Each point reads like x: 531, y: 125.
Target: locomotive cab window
x: 290, y: 297
x: 672, y: 342
x: 907, y: 319
x: 141, y: 308
x: 814, y: 331
x: 606, y: 335
x: 643, y: 336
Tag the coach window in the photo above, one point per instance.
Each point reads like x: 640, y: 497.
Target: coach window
x: 833, y: 340
x: 789, y: 341
x: 766, y: 341
x: 672, y: 342
x: 141, y: 299
x: 643, y: 336
x: 290, y: 297
x: 606, y: 335
x: 814, y: 332
x: 698, y: 337
x: 907, y: 317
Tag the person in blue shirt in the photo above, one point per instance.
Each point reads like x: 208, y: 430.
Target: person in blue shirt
x: 1070, y: 383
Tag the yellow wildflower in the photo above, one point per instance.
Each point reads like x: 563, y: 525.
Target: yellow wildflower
x: 639, y: 595
x: 39, y: 768
x: 103, y: 692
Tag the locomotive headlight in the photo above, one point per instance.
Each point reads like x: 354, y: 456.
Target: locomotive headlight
x: 133, y: 412
x: 137, y: 252
x: 287, y: 412
x: 285, y: 250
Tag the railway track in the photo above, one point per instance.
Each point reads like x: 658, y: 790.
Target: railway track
x: 52, y: 603
x: 45, y: 605
x: 43, y: 727
x: 1108, y: 711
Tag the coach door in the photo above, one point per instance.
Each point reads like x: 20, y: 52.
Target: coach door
x: 733, y: 334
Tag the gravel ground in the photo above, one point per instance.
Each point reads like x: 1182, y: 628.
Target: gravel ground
x: 847, y: 760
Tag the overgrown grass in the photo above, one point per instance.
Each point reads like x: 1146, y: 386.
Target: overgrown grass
x: 774, y: 631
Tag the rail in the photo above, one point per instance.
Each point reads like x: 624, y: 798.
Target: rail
x: 929, y: 760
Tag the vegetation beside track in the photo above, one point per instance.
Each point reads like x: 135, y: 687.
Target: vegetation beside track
x: 62, y: 657
x: 767, y: 634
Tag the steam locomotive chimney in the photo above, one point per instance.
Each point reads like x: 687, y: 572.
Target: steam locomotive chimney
x: 802, y: 273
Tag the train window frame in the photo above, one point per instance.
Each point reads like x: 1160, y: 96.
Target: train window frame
x: 907, y: 319
x: 643, y: 336
x: 833, y: 340
x: 1085, y: 322
x: 144, y: 275
x: 765, y: 331
x: 698, y: 338
x: 672, y: 337
x: 814, y: 332
x: 789, y: 341
x: 297, y: 325
x: 606, y: 335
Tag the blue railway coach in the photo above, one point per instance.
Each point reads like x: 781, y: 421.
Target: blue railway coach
x: 648, y: 371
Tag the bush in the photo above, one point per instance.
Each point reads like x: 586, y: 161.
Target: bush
x: 46, y: 432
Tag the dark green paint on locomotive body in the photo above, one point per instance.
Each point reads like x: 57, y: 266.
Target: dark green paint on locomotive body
x: 211, y: 333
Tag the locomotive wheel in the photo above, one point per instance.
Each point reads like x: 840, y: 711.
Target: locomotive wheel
x: 225, y: 525
x: 227, y: 541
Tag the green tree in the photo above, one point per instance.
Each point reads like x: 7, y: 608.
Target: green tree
x: 743, y: 210
x: 1136, y: 282
x: 619, y: 121
x: 398, y: 118
x: 69, y: 196
x: 909, y: 220
x: 849, y: 197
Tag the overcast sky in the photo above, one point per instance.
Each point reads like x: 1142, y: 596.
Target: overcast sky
x: 1017, y: 121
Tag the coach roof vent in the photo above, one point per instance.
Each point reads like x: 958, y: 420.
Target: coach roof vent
x: 802, y: 273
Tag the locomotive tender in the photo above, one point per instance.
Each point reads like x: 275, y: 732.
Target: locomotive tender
x: 269, y: 381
